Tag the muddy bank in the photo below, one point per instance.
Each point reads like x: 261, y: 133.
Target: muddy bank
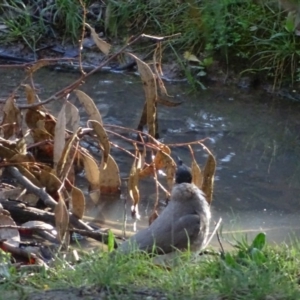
x: 66, y: 59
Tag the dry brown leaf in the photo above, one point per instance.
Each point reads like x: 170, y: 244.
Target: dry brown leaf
x: 78, y: 202
x: 12, y: 236
x: 59, y: 136
x: 208, y: 177
x: 32, y: 116
x: 170, y: 166
x: 166, y: 102
x: 89, y: 106
x: 30, y: 94
x: 197, y: 176
x: 101, y: 44
x: 91, y: 171
x: 39, y: 64
x: 158, y: 162
x: 103, y: 139
x: 26, y: 159
x: 38, y: 119
x: 40, y: 124
x: 49, y: 180
x: 72, y: 117
x: 61, y: 219
x: 29, y: 175
x: 40, y: 135
x: 150, y: 88
x: 110, y: 181
x: 67, y: 156
x: 6, y: 152
x: 50, y: 123
x: 157, y: 57
x: 11, y: 122
x: 21, y: 146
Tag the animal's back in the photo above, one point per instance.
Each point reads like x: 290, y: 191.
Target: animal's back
x: 184, y: 221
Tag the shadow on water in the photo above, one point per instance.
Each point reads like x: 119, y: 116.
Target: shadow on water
x: 254, y: 136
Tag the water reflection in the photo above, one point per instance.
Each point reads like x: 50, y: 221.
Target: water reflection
x: 255, y: 139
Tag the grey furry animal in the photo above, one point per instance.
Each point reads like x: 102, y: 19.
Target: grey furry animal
x: 183, y: 224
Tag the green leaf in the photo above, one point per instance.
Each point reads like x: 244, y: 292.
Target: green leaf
x: 207, y: 61
x: 230, y: 260
x: 111, y: 241
x: 258, y: 256
x: 290, y: 23
x: 259, y: 241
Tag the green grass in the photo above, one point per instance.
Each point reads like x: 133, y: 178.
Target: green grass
x: 249, y: 36
x: 32, y: 21
x: 251, y: 271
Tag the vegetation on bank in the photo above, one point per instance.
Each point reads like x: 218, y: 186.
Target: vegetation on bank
x: 250, y: 36
x: 251, y: 271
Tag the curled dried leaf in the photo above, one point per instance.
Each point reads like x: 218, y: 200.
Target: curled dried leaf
x: 30, y: 94
x: 6, y: 152
x: 150, y: 88
x: 39, y: 64
x: 72, y: 116
x: 49, y: 180
x: 102, y: 45
x: 110, y: 181
x: 61, y: 219
x: 11, y: 122
x: 78, y: 202
x: 170, y: 166
x: 103, y: 140
x: 91, y: 171
x: 21, y: 146
x: 197, y: 176
x: 33, y: 116
x: 68, y: 155
x: 40, y: 135
x: 29, y: 175
x: 89, y: 106
x: 59, y: 136
x: 166, y: 102
x: 208, y: 177
x: 158, y: 162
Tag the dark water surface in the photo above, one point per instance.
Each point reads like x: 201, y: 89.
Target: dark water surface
x: 254, y: 136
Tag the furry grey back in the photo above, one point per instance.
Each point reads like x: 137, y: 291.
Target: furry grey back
x: 183, y: 224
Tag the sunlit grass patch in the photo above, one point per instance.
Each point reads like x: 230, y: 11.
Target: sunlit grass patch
x: 253, y: 270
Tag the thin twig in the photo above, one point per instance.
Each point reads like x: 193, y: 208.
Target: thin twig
x: 33, y: 228
x: 40, y: 192
x: 219, y: 240
x: 213, y: 233
x: 82, y: 36
x: 43, y: 195
x: 66, y: 90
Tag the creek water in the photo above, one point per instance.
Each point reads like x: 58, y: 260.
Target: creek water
x: 253, y: 135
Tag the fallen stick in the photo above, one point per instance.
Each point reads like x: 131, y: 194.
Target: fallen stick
x: 45, y: 197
